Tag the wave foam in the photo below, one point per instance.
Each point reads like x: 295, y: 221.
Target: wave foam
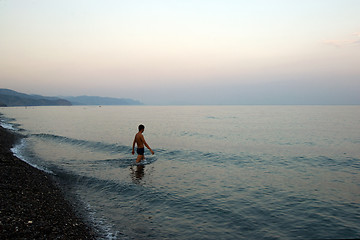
x: 17, y: 150
x: 7, y: 125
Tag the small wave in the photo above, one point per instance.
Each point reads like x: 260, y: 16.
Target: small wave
x: 334, y: 164
x: 104, y: 228
x: 7, y: 125
x: 17, y: 150
x: 91, y: 182
x: 99, y: 146
x: 127, y: 162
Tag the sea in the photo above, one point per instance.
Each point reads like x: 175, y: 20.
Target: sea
x: 218, y: 172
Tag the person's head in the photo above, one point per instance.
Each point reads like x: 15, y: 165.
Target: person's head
x: 141, y: 127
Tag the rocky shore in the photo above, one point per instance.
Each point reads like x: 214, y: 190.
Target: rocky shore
x: 32, y: 206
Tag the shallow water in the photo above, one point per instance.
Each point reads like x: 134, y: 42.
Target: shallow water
x: 228, y: 172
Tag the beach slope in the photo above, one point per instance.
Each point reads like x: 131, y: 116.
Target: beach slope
x: 32, y: 206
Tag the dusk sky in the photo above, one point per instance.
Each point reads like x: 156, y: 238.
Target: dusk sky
x: 184, y: 51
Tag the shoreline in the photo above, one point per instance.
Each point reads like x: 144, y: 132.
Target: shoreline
x: 32, y: 205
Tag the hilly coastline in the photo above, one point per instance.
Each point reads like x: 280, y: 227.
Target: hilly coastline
x: 11, y: 98
x: 95, y: 100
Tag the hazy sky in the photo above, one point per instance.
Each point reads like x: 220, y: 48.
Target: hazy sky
x: 184, y: 51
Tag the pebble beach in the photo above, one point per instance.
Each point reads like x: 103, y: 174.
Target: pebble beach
x: 32, y: 204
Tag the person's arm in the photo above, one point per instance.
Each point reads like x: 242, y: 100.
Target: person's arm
x: 147, y: 145
x: 133, y: 148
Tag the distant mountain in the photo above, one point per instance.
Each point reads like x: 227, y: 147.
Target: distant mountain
x: 12, y: 98
x: 94, y: 100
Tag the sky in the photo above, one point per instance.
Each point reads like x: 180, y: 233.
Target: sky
x: 165, y: 52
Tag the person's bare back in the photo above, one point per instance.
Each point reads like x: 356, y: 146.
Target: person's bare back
x: 139, y: 140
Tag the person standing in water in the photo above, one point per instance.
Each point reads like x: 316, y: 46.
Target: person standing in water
x: 140, y: 142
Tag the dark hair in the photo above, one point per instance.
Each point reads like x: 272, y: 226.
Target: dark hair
x: 141, y: 127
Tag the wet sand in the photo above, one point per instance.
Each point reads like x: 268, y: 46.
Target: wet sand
x: 32, y: 205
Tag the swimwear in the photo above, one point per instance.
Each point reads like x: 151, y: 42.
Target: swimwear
x: 140, y: 151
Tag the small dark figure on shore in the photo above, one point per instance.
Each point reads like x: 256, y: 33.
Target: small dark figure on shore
x: 140, y: 142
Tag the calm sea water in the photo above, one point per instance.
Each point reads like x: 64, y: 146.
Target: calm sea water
x: 219, y: 172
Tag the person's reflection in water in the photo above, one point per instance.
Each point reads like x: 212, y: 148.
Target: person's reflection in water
x: 138, y: 173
